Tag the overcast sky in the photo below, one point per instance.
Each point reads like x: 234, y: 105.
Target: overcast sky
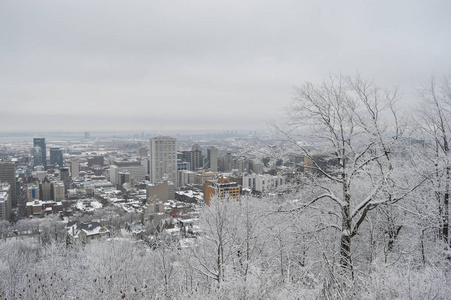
x: 165, y: 65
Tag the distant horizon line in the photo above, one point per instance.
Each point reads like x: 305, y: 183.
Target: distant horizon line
x: 140, y: 132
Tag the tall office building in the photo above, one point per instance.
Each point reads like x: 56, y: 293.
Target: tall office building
x: 8, y: 174
x: 75, y: 168
x: 225, y: 163
x: 65, y: 178
x: 212, y: 159
x: 194, y: 157
x: 36, y: 153
x: 56, y: 156
x: 5, y: 201
x: 45, y: 190
x: 40, y: 142
x: 57, y: 190
x: 163, y: 159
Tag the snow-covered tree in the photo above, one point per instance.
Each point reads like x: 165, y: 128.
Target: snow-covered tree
x: 216, y: 248
x: 356, y: 131
x: 433, y: 117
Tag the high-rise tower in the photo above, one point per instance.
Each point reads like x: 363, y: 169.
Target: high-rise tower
x: 8, y: 174
x: 56, y: 156
x: 212, y: 159
x: 194, y: 157
x: 40, y: 142
x: 75, y: 168
x: 65, y: 178
x: 5, y: 201
x: 163, y: 159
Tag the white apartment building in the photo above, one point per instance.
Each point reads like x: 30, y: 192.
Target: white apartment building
x: 261, y: 182
x: 58, y: 190
x: 137, y: 172
x: 187, y: 177
x: 163, y: 159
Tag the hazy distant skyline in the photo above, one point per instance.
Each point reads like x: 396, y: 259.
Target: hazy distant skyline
x: 163, y: 65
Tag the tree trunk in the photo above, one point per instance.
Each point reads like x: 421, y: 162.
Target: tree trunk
x: 345, y: 240
x: 446, y: 208
x: 446, y: 196
x: 219, y: 264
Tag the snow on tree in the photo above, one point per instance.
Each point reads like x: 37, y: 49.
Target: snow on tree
x: 355, y: 128
x: 434, y: 117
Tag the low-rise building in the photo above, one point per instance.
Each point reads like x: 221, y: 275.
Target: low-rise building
x: 159, y: 221
x: 32, y: 192
x: 189, y: 196
x: 135, y: 170
x: 163, y: 191
x: 39, y: 208
x: 205, y: 176
x: 221, y: 187
x: 84, y: 232
x: 186, y: 177
x: 261, y: 182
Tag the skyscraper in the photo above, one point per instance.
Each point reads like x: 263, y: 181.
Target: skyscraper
x: 194, y: 157
x: 225, y: 162
x: 212, y: 159
x: 75, y: 168
x: 56, y: 156
x: 45, y: 190
x: 36, y: 152
x: 65, y: 178
x: 40, y: 142
x: 163, y: 159
x: 5, y: 201
x: 58, y: 190
x: 8, y: 174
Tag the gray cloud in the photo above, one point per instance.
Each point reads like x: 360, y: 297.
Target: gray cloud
x: 194, y: 64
